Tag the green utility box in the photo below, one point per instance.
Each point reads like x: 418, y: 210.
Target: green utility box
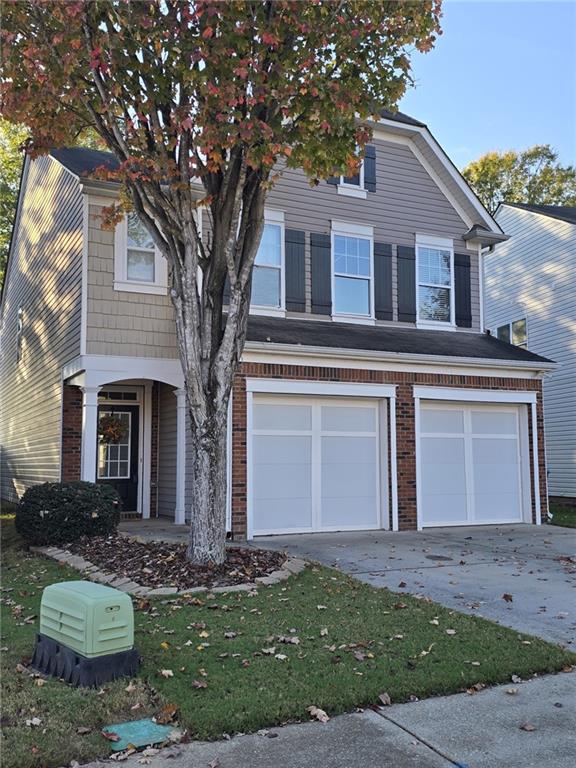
x: 89, y: 618
x: 86, y: 633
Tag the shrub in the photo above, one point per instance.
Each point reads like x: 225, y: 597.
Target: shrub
x: 56, y: 513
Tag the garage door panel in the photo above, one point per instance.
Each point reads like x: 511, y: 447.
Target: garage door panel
x: 442, y: 450
x: 275, y: 481
x: 490, y: 507
x: 475, y: 477
x: 347, y: 480
x: 443, y: 508
x: 493, y: 423
x: 348, y: 419
x: 359, y: 512
x: 278, y: 515
x: 440, y: 420
x: 486, y: 450
x: 282, y: 417
x: 282, y: 449
x: 437, y: 477
x: 348, y: 450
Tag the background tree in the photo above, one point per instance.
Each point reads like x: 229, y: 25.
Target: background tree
x: 228, y: 93
x: 11, y: 155
x: 532, y: 176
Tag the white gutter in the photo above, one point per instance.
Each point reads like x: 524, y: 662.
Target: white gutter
x: 298, y: 350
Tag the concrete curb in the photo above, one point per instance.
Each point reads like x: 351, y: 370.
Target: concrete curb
x: 291, y: 567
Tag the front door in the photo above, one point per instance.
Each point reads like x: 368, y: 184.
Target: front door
x: 118, y: 428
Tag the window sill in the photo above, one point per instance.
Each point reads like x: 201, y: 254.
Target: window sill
x: 352, y: 191
x: 268, y: 311
x: 150, y: 288
x: 434, y: 326
x: 356, y: 319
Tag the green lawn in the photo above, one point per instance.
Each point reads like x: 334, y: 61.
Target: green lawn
x: 563, y: 516
x: 355, y: 642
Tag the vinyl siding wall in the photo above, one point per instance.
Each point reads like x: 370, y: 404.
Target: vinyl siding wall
x: 44, y: 278
x: 533, y: 275
x: 407, y: 201
x: 121, y: 322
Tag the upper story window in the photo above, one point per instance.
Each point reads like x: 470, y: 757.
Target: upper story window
x: 514, y: 333
x: 268, y: 274
x: 138, y: 265
x: 435, y: 281
x: 353, y: 186
x: 352, y: 270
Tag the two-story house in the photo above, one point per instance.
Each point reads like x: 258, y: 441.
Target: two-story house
x: 530, y: 301
x: 368, y: 396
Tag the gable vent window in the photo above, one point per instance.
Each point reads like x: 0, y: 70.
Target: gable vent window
x: 435, y: 282
x: 513, y: 333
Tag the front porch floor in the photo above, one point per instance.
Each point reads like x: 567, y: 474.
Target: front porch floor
x: 155, y: 529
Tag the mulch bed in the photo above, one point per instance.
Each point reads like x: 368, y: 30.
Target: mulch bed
x: 163, y: 564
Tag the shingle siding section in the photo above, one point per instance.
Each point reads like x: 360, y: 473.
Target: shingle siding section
x: 533, y: 275
x: 120, y: 322
x: 44, y: 277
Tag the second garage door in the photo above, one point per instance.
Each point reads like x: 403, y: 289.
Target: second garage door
x: 473, y: 464
x: 315, y: 464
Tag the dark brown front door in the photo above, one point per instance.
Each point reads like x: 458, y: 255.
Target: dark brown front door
x: 118, y: 428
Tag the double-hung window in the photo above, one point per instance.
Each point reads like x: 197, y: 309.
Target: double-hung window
x: 138, y: 264
x: 353, y: 186
x: 352, y: 270
x: 435, y: 281
x: 268, y: 274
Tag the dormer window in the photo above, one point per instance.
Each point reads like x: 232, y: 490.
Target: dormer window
x: 139, y: 266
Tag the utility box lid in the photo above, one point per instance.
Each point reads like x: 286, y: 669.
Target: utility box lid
x: 92, y: 619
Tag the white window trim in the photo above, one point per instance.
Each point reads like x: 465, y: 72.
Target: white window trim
x: 445, y: 244
x: 273, y: 216
x: 353, y: 190
x: 121, y: 282
x: 361, y: 231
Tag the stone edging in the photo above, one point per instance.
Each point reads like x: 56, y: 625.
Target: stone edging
x: 291, y: 566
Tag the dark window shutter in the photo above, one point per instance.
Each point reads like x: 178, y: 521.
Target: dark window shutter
x: 383, y: 281
x: 295, y: 280
x: 321, y: 269
x: 463, y: 297
x: 370, y: 168
x: 334, y: 180
x: 406, y: 284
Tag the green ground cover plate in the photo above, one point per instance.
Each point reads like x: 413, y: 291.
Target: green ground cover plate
x: 138, y: 733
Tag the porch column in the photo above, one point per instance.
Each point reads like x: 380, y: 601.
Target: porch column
x: 180, y: 511
x: 89, y: 433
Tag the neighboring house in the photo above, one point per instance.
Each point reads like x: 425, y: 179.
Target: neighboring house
x: 530, y: 300
x: 368, y: 396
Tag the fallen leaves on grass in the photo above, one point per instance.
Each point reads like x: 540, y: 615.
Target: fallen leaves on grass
x: 33, y: 722
x: 199, y: 684
x: 168, y: 714
x: 166, y: 673
x: 318, y: 714
x: 110, y: 735
x: 385, y: 699
x: 450, y: 631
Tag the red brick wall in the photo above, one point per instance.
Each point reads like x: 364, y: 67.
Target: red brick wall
x: 406, y: 459
x: 71, y: 433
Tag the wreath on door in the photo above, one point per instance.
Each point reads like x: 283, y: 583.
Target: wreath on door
x: 111, y: 429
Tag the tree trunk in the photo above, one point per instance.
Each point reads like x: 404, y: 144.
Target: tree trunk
x: 207, y: 542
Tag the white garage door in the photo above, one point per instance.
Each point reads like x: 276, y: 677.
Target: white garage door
x: 314, y: 464
x: 471, y: 464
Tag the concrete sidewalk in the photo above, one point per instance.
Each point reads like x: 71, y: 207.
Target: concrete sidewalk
x: 480, y: 731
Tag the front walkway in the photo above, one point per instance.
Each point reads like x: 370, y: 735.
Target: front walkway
x: 470, y: 569
x: 480, y: 731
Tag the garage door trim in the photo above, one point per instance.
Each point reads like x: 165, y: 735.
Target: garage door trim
x: 381, y: 392
x: 472, y: 396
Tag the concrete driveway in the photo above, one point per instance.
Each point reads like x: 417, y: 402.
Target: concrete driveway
x: 464, y: 568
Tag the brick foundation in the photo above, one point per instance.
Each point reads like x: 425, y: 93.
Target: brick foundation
x: 405, y: 425
x: 71, y: 433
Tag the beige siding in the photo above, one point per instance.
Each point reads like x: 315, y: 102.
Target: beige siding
x: 407, y: 201
x: 120, y: 322
x: 44, y: 278
x: 533, y: 276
